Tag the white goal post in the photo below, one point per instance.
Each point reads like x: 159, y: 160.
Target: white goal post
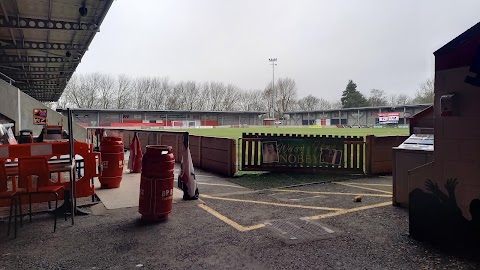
x: 185, y: 124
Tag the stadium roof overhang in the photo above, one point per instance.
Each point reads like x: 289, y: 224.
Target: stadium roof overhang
x: 43, y: 41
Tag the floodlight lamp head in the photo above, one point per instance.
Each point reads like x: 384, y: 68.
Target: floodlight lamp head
x: 83, y: 11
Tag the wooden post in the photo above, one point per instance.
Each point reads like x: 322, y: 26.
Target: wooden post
x: 349, y: 152
x: 355, y: 156
x: 368, y: 153
x: 244, y: 148
x: 256, y: 154
x: 362, y: 159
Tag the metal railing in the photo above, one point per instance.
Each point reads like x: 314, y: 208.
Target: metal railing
x: 10, y: 80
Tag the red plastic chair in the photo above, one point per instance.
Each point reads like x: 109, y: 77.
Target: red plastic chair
x: 37, y: 166
x: 6, y: 194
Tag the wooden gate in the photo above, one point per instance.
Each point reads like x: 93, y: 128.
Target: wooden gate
x: 302, y: 153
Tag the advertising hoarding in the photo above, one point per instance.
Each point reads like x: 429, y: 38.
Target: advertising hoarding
x: 303, y: 151
x: 388, y: 118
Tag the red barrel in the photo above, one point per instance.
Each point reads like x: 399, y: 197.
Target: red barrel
x: 156, y: 184
x: 111, y: 149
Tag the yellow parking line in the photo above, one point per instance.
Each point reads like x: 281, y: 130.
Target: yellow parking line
x: 342, y: 212
x: 220, y: 185
x: 336, y: 193
x: 373, y: 189
x: 365, y: 184
x: 274, y: 204
x: 229, y: 221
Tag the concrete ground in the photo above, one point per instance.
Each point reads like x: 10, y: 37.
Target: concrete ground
x: 231, y: 227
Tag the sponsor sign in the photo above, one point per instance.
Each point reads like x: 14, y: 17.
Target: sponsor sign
x: 39, y: 116
x: 302, y: 151
x: 388, y: 118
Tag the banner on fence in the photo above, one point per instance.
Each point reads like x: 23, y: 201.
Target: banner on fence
x: 302, y: 151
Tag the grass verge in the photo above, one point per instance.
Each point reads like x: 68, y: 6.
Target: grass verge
x: 268, y: 180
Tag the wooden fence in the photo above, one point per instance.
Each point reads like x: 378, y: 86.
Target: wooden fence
x: 349, y: 153
x: 380, y: 154
x: 370, y: 155
x: 217, y: 155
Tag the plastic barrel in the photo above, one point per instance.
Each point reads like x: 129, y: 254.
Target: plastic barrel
x: 111, y: 150
x: 156, y: 184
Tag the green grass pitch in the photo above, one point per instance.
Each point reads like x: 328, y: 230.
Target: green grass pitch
x: 235, y: 133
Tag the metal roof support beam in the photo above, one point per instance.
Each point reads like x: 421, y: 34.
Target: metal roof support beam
x: 31, y: 45
x: 41, y: 83
x: 38, y: 70
x: 35, y: 59
x: 62, y: 80
x: 47, y: 92
x: 29, y: 23
x: 37, y: 76
x: 42, y: 88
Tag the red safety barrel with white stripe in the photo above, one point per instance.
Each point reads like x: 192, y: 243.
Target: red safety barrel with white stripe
x: 156, y: 184
x: 111, y: 149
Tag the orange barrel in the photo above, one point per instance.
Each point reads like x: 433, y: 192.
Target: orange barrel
x: 156, y: 184
x: 111, y: 150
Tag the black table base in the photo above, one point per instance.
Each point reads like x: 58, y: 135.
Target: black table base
x: 66, y: 206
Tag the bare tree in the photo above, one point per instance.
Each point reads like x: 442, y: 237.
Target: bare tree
x: 336, y: 105
x: 192, y: 92
x: 96, y: 90
x: 377, y: 98
x: 63, y: 102
x: 312, y: 103
x: 426, y: 92
x: 286, y: 92
x: 257, y: 103
x: 142, y: 93
x: 123, y: 93
x: 252, y: 101
x: 81, y: 91
x: 231, y: 98
x: 214, y: 95
x: 324, y: 104
x: 308, y: 103
x: 244, y: 101
x: 400, y: 99
x: 177, y: 99
x: 267, y: 96
x: 160, y: 89
x: 105, y: 83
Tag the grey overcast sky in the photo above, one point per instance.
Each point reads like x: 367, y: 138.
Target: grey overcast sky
x: 382, y: 44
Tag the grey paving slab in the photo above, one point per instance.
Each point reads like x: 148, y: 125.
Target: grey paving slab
x: 127, y: 195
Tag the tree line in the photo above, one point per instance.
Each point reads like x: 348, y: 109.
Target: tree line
x: 103, y: 91
x: 351, y: 97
